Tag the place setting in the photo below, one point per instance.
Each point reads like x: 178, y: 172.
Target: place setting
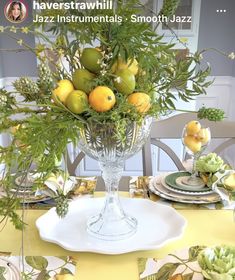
x: 32, y: 190
x: 166, y: 187
x: 210, y: 180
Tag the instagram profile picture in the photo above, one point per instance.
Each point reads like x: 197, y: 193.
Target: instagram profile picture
x: 15, y: 11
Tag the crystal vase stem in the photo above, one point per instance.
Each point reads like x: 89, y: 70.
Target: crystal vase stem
x: 102, y: 143
x: 112, y: 218
x: 111, y: 173
x: 194, y: 171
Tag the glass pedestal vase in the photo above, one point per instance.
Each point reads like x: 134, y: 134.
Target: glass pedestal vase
x: 101, y: 143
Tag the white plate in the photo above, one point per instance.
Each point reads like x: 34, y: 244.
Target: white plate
x: 11, y: 271
x: 197, y: 193
x: 27, y: 181
x: 157, y: 225
x: 156, y: 187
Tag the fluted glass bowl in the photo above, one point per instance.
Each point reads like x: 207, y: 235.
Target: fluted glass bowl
x: 102, y: 143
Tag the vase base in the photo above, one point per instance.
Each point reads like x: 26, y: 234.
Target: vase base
x: 113, y: 230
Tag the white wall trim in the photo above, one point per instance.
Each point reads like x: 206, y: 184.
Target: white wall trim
x: 222, y: 80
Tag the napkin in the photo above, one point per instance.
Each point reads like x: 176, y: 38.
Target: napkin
x: 37, y: 267
x: 179, y: 265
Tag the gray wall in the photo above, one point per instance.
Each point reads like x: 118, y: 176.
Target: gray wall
x: 16, y: 64
x: 218, y: 30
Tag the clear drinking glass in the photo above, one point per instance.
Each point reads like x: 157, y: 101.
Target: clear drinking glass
x: 101, y: 143
x: 195, y: 144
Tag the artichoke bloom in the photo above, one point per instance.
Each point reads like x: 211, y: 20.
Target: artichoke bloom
x: 210, y: 163
x: 218, y: 263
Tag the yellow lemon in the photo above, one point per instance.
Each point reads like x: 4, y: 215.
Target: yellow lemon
x: 82, y: 80
x: 77, y: 101
x: 193, y: 127
x: 140, y: 100
x: 91, y: 59
x: 192, y: 143
x: 204, y: 135
x: 102, y: 99
x: 131, y: 64
x: 124, y: 81
x: 63, y: 90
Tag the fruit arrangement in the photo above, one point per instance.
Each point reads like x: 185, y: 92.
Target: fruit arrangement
x: 128, y: 72
x: 217, y: 262
x: 80, y: 93
x: 196, y: 137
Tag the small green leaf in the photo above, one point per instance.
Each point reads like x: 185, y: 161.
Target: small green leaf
x: 142, y: 264
x: 166, y: 271
x: 2, y: 271
x: 194, y: 252
x: 65, y: 270
x: 39, y: 263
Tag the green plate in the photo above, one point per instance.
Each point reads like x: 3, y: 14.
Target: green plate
x: 171, y: 181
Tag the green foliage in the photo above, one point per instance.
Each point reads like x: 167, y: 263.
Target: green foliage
x: 169, y: 7
x: 62, y: 205
x: 194, y: 251
x: 38, y: 262
x: 212, y: 114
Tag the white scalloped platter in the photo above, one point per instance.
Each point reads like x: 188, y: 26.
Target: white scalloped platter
x: 157, y: 225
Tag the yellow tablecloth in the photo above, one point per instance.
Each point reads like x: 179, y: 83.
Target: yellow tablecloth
x: 205, y: 227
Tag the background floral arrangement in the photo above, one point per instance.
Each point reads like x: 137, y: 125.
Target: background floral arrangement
x: 130, y: 74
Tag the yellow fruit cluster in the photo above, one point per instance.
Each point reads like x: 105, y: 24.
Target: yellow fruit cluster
x: 75, y: 100
x: 79, y: 93
x: 196, y: 136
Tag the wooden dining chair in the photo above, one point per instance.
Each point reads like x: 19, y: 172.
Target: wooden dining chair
x: 73, y: 159
x: 171, y: 128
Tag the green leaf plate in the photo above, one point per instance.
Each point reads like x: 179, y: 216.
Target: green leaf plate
x: 170, y: 181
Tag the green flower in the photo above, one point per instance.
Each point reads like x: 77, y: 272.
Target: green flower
x: 20, y: 42
x: 218, y: 263
x: 13, y: 29
x: 210, y: 163
x: 25, y: 30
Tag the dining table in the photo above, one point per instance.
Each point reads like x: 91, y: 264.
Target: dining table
x: 204, y: 227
